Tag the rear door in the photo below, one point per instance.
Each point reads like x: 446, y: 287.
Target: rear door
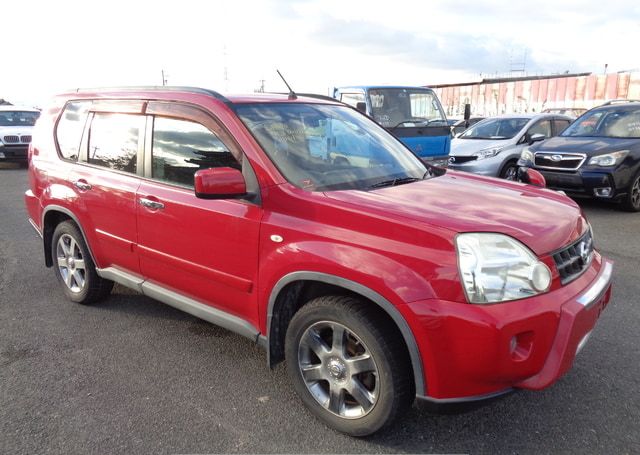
x: 106, y: 179
x: 205, y: 249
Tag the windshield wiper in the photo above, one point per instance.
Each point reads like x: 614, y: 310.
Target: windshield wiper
x: 394, y: 182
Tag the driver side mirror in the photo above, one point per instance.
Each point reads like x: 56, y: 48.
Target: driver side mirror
x: 219, y: 183
x: 362, y: 107
x: 536, y: 138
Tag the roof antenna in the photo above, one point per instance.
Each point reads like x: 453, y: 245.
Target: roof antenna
x: 292, y: 94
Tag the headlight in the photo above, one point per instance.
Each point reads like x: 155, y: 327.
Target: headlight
x: 488, y: 153
x: 527, y: 155
x: 497, y: 268
x: 610, y: 159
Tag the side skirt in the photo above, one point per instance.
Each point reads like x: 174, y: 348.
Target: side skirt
x: 183, y: 303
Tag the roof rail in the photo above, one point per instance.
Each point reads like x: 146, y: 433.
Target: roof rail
x: 313, y: 95
x: 619, y: 101
x: 163, y: 88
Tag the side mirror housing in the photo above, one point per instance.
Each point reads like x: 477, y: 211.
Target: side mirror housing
x: 536, y: 138
x: 219, y: 183
x: 531, y: 176
x: 362, y: 107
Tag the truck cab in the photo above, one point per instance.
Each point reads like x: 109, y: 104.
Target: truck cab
x: 413, y: 114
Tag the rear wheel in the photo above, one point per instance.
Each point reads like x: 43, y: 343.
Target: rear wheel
x: 74, y: 267
x: 631, y: 202
x: 348, y: 366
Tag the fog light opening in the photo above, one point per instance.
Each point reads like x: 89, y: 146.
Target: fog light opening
x: 606, y: 191
x: 520, y: 346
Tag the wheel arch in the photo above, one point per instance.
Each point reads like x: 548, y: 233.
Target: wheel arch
x: 294, y: 284
x: 53, y: 215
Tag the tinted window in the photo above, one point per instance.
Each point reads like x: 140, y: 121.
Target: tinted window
x: 543, y: 127
x: 70, y: 128
x: 622, y: 123
x: 180, y: 148
x: 113, y: 141
x: 352, y: 99
x: 561, y: 125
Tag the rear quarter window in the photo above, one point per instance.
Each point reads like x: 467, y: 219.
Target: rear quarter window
x: 70, y: 128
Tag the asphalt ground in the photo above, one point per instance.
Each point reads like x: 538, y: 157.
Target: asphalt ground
x: 131, y: 375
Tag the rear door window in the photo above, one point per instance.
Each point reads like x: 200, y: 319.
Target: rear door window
x: 114, y: 141
x: 560, y: 125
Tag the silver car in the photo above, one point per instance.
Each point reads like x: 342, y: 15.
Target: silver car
x: 492, y: 147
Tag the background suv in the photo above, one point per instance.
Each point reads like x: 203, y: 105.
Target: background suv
x: 597, y: 156
x: 16, y: 124
x: 492, y: 146
x: 376, y: 278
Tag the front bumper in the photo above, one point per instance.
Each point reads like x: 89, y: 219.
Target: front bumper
x: 489, y: 167
x: 471, y: 352
x: 14, y: 153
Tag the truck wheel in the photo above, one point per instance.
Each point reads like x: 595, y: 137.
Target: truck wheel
x: 348, y: 366
x: 631, y: 202
x: 510, y: 171
x: 74, y: 267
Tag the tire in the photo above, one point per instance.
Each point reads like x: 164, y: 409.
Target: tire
x: 74, y: 267
x: 352, y: 402
x: 510, y: 171
x: 631, y: 202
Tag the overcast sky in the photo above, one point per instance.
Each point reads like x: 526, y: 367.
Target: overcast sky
x: 230, y: 46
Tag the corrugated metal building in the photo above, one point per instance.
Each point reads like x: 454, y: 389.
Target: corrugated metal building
x: 490, y: 97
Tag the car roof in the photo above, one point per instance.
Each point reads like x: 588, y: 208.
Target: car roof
x: 532, y: 116
x: 367, y: 87
x: 11, y: 108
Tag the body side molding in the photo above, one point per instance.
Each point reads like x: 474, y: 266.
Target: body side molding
x: 182, y: 303
x: 387, y: 306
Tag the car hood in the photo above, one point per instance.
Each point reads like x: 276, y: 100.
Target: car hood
x: 588, y: 145
x: 542, y: 219
x: 467, y: 147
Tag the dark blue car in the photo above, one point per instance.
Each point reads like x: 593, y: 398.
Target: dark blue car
x: 597, y: 156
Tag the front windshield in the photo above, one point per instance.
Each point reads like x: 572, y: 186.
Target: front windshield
x: 404, y: 107
x: 325, y: 147
x: 621, y: 123
x: 495, y: 128
x: 18, y: 118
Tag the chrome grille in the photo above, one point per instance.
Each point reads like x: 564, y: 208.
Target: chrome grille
x: 25, y: 139
x: 11, y: 139
x: 574, y: 259
x: 559, y: 161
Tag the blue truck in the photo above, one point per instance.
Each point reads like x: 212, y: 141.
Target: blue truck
x: 413, y: 114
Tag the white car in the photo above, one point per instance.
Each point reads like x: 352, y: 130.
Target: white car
x: 492, y: 146
x: 16, y: 124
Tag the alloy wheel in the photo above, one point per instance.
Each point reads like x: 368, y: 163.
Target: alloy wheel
x: 338, y: 370
x: 71, y: 263
x: 635, y: 193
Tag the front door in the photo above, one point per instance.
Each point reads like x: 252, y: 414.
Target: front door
x: 202, y: 248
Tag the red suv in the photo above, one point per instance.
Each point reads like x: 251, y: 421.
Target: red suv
x: 300, y: 223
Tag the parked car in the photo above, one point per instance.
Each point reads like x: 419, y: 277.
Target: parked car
x: 412, y: 114
x: 16, y: 124
x: 377, y: 278
x: 459, y: 126
x: 573, y: 112
x: 598, y: 156
x: 493, y: 146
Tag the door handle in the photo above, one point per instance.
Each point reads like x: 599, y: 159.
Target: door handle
x: 151, y: 204
x: 82, y: 185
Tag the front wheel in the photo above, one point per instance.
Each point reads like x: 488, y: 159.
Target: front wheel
x: 74, y: 267
x: 348, y: 366
x: 510, y: 171
x: 631, y: 202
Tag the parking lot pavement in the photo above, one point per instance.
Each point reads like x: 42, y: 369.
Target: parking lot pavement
x: 131, y: 375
